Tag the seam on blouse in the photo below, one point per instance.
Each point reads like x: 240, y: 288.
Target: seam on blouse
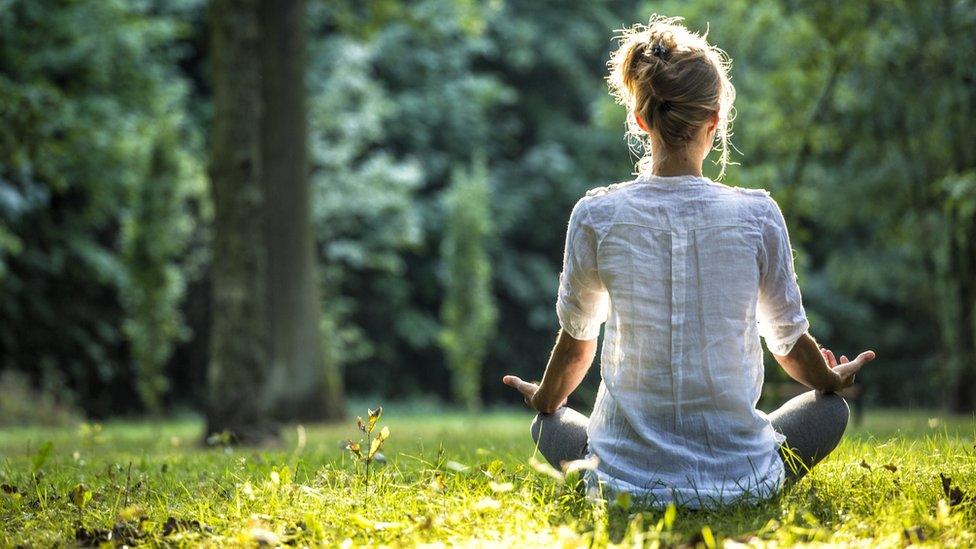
x: 588, y: 219
x: 709, y: 377
x: 762, y: 238
x: 678, y: 231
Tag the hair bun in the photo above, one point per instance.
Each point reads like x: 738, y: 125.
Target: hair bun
x: 672, y: 82
x: 660, y: 51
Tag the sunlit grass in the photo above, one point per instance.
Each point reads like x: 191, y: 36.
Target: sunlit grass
x: 453, y: 478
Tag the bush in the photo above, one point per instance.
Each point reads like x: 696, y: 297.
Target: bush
x: 22, y: 404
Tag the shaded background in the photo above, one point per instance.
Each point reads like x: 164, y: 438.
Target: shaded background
x: 856, y: 116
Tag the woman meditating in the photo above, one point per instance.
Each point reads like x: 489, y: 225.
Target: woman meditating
x: 687, y: 274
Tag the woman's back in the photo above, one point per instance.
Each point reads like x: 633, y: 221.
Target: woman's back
x: 681, y: 261
x: 687, y: 274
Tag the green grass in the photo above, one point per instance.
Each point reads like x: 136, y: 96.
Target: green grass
x: 456, y: 479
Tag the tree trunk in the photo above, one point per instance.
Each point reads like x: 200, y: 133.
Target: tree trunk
x: 266, y: 358
x: 239, y: 347
x: 300, y: 386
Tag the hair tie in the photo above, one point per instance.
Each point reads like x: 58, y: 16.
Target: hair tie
x: 658, y: 50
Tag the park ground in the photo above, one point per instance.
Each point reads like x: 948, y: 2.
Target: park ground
x: 449, y: 478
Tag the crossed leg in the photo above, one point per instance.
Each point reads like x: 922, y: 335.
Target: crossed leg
x: 812, y: 422
x: 561, y: 435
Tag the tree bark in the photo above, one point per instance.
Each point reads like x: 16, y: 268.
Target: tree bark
x: 300, y: 387
x: 267, y: 360
x: 239, y: 346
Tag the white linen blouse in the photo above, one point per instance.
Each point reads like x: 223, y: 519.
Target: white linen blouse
x: 687, y: 274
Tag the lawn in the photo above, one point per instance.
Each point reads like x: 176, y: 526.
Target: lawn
x: 453, y: 478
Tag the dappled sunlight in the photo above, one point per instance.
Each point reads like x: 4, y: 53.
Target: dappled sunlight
x: 453, y: 478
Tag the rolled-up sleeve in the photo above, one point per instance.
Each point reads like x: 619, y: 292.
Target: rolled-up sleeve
x: 782, y: 319
x: 583, y: 302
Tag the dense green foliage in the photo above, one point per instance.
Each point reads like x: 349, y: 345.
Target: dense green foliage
x: 99, y: 178
x: 456, y: 479
x: 857, y: 116
x: 469, y: 312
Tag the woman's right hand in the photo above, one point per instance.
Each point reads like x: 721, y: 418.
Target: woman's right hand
x: 846, y: 369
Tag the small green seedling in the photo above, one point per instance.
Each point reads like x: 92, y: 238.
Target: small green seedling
x: 80, y: 495
x: 373, y: 444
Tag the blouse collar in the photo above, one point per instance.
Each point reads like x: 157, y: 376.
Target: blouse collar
x: 672, y: 179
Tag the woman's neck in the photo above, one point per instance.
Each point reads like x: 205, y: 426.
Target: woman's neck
x: 677, y: 163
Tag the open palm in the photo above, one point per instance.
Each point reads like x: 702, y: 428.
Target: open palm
x: 845, y: 368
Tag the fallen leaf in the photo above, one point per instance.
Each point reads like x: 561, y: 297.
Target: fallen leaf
x: 915, y: 534
x: 866, y: 465
x: 889, y: 467
x: 174, y: 525
x: 122, y: 534
x: 954, y: 494
x: 92, y: 537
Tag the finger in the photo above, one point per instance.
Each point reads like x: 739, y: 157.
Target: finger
x: 522, y: 386
x: 852, y: 367
x: 848, y: 369
x: 831, y: 359
x: 826, y: 354
x: 527, y: 389
x: 843, y: 359
x: 511, y: 381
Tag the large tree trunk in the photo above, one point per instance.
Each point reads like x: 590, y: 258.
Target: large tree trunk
x: 239, y: 352
x: 267, y: 360
x: 300, y: 387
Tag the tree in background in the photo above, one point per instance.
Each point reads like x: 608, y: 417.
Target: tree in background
x: 240, y: 357
x: 875, y: 179
x: 302, y: 386
x: 468, y: 312
x: 267, y: 359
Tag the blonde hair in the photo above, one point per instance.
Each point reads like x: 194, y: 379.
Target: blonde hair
x: 675, y: 80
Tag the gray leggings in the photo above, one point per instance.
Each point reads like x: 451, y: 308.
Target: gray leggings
x: 813, y: 424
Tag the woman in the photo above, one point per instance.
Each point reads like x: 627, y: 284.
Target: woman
x: 687, y: 274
